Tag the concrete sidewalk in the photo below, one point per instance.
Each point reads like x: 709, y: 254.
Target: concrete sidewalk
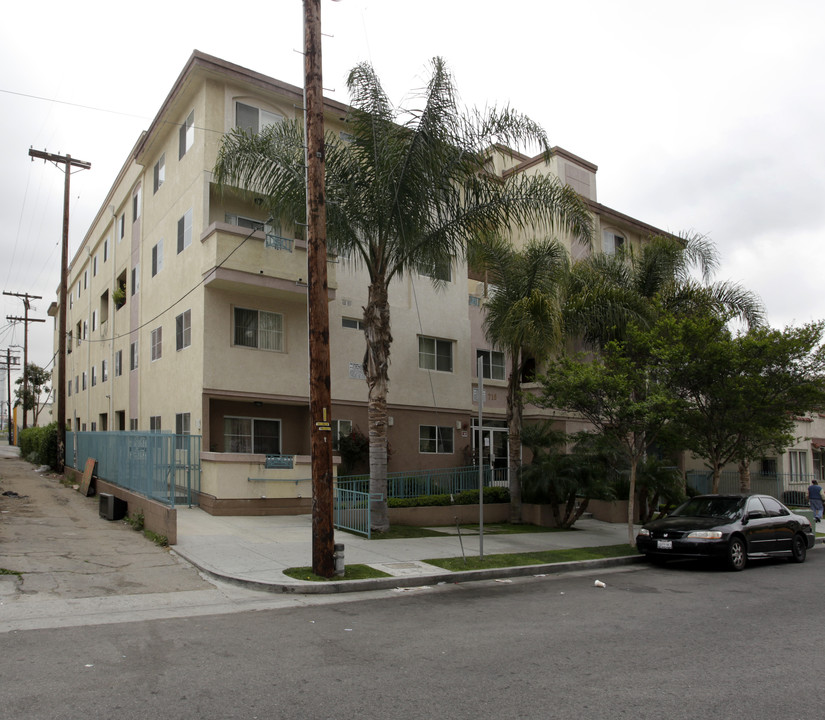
x: 254, y: 551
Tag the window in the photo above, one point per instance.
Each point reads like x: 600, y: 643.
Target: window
x: 185, y: 231
x: 69, y: 342
x: 181, y: 428
x: 252, y: 435
x: 105, y: 249
x: 76, y: 384
x: 133, y: 355
x: 435, y: 354
x: 157, y: 258
x: 352, y: 323
x: 85, y: 280
x: 159, y: 173
x: 136, y: 205
x: 69, y: 388
x: 157, y: 343
x: 768, y: 466
x: 133, y: 423
x: 83, y: 378
x: 183, y: 330
x: 493, y: 364
x: 340, y: 428
x: 774, y: 508
x: 85, y: 329
x: 94, y: 375
x: 439, y: 271
x: 121, y: 227
x: 798, y: 460
x: 94, y: 427
x: 186, y: 135
x: 259, y: 329
x: 94, y: 320
x: 135, y: 278
x: 104, y: 371
x: 94, y: 266
x: 119, y: 363
x: 254, y: 119
x: 244, y: 222
x: 433, y: 439
x: 612, y: 243
x: 154, y: 423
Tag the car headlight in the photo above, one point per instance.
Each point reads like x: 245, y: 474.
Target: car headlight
x: 644, y: 532
x: 705, y: 535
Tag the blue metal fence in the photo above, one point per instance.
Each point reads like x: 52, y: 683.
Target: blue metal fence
x: 352, y: 511
x: 443, y: 481
x: 161, y: 466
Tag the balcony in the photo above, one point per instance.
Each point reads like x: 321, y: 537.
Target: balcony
x: 273, y: 266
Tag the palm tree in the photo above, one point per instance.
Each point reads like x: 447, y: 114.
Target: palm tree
x: 608, y: 292
x: 407, y: 193
x: 524, y: 318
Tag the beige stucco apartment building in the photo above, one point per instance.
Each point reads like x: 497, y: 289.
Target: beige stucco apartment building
x: 184, y: 317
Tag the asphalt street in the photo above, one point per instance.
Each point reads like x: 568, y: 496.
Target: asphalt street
x: 681, y: 642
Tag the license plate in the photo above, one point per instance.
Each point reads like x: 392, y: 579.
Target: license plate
x: 664, y: 545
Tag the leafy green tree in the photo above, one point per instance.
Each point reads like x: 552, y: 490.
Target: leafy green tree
x: 32, y: 397
x: 405, y: 194
x: 524, y: 318
x: 619, y: 394
x: 739, y: 393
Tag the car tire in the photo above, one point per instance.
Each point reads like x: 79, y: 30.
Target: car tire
x: 799, y: 548
x: 737, y: 554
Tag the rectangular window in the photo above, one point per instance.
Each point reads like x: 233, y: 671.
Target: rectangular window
x: 340, y: 428
x: 181, y: 428
x: 244, y: 222
x: 186, y: 135
x: 94, y: 427
x: 121, y: 227
x: 185, y: 231
x: 83, y: 378
x: 159, y: 173
x: 133, y: 355
x: 136, y: 205
x: 94, y: 375
x: 434, y: 439
x: 85, y: 279
x: 798, y: 461
x: 105, y: 249
x: 254, y: 119
x: 104, y: 371
x: 85, y: 330
x: 353, y: 323
x: 612, y: 243
x: 259, y: 329
x: 69, y: 388
x: 440, y: 271
x: 434, y: 354
x: 94, y: 320
x: 183, y: 330
x: 154, y: 423
x: 252, y: 435
x: 133, y: 424
x: 157, y: 257
x: 157, y: 343
x: 94, y: 266
x: 493, y: 367
x: 76, y: 384
x: 135, y: 278
x: 119, y: 363
x: 69, y: 342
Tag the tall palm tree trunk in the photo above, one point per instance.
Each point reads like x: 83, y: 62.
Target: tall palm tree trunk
x: 514, y: 416
x: 376, y: 369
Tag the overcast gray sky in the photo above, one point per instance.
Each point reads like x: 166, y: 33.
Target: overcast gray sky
x: 702, y: 116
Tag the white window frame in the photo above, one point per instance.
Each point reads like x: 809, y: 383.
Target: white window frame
x: 134, y: 356
x: 431, y: 355
x: 352, y: 323
x: 340, y: 428
x: 159, y: 173
x: 245, y: 442
x: 185, y: 231
x: 155, y: 424
x: 104, y: 371
x: 798, y: 465
x: 186, y: 135
x: 183, y: 330
x: 157, y: 343
x: 264, y: 119
x: 276, y: 334
x: 118, y: 363
x: 157, y: 257
x: 432, y: 440
x: 493, y: 367
x: 612, y: 241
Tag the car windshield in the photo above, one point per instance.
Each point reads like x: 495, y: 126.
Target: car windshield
x: 712, y: 507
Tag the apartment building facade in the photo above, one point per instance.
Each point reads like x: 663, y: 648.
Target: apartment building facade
x: 188, y: 314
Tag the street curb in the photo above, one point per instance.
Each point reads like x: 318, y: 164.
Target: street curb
x: 299, y: 587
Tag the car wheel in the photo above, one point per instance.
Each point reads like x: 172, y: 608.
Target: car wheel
x: 799, y: 549
x: 737, y: 554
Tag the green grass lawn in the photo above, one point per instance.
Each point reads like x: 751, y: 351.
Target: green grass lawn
x: 456, y: 564
x: 402, y: 532
x: 351, y: 572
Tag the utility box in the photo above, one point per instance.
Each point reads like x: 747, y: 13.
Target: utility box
x: 111, y: 507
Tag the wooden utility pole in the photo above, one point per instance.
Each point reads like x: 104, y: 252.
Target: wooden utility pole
x: 320, y: 401
x: 25, y: 320
x: 9, y: 362
x: 68, y: 162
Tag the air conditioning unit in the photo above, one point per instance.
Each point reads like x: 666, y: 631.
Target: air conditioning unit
x: 112, y: 508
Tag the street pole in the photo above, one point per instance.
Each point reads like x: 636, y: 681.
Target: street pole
x: 68, y: 163
x: 320, y: 401
x: 25, y: 320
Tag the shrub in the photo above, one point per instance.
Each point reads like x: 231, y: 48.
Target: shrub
x: 39, y: 445
x: 466, y: 497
